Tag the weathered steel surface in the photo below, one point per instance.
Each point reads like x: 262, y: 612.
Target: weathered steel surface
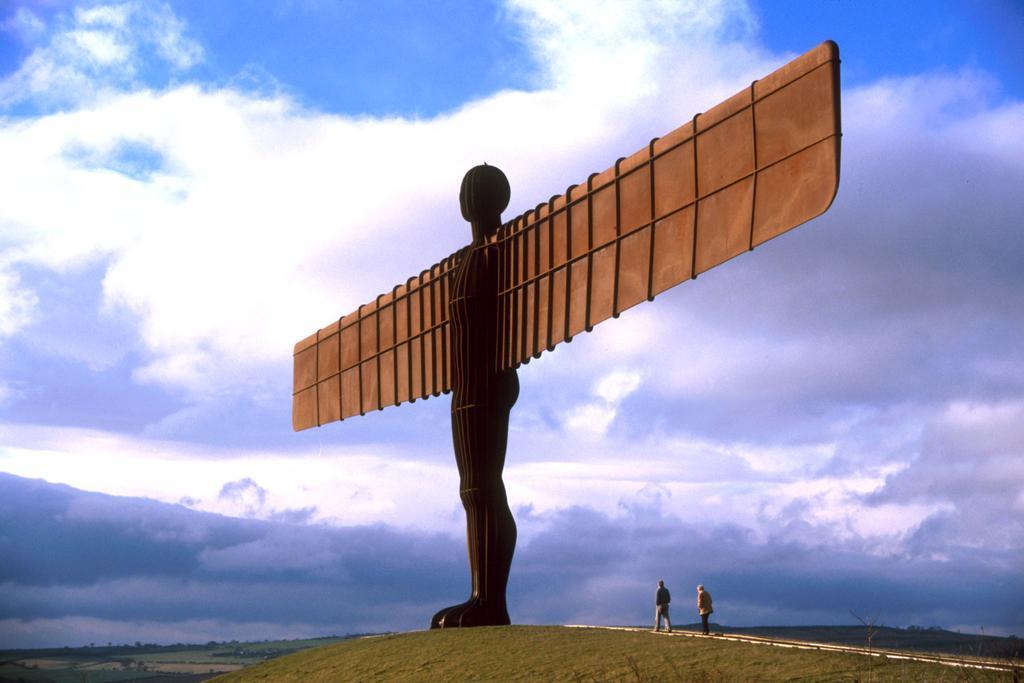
x: 392, y: 350
x: 756, y: 165
x: 482, y: 398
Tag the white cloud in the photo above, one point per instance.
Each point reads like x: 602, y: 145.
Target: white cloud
x: 92, y: 50
x: 24, y: 24
x: 346, y: 485
x: 16, y: 303
x: 970, y: 454
x: 617, y: 385
x: 254, y: 221
x: 101, y: 47
x: 111, y: 16
x: 593, y: 418
x: 702, y: 481
x: 303, y: 210
x: 587, y: 46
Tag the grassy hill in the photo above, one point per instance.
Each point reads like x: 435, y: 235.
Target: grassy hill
x: 556, y: 653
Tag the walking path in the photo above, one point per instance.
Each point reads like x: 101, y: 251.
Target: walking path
x: 968, y: 662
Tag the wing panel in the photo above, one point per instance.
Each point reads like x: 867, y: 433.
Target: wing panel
x: 329, y: 399
x: 416, y: 367
x: 304, y: 409
x: 757, y: 164
x: 403, y: 373
x: 673, y: 179
x: 635, y: 200
x: 725, y: 152
x: 369, y: 400
x: 349, y: 341
x: 530, y: 305
x: 673, y: 250
x: 429, y: 369
x: 723, y: 224
x: 368, y: 335
x: 544, y: 295
x: 579, y: 218
x: 388, y: 375
x: 559, y: 235
x: 634, y: 266
x: 815, y: 171
x: 304, y: 368
x: 559, y: 306
x: 350, y: 392
x: 796, y: 115
x: 602, y: 284
x: 603, y: 222
x: 544, y: 240
x: 389, y: 351
x: 579, y: 286
x: 327, y: 357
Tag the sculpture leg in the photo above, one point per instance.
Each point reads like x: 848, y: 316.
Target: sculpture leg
x: 480, y: 435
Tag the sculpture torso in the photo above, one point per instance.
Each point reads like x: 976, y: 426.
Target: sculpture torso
x: 474, y: 317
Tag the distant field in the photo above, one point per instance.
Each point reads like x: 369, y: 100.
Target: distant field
x: 555, y: 653
x: 182, y: 664
x: 68, y: 674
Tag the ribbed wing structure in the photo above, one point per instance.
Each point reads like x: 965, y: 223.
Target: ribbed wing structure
x: 758, y: 164
x: 392, y: 350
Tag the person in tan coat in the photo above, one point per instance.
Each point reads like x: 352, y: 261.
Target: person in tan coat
x: 704, y: 607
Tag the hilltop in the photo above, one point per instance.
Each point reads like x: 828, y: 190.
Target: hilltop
x: 558, y: 653
x: 643, y: 658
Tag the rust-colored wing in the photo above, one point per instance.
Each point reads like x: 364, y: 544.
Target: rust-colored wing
x: 758, y: 164
x: 389, y: 351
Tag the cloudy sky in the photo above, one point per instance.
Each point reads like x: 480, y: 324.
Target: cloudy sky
x: 834, y: 422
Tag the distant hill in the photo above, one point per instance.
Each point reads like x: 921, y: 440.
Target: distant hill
x: 558, y: 653
x: 148, y: 663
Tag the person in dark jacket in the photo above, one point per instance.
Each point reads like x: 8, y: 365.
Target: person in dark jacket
x: 704, y: 607
x: 661, y: 600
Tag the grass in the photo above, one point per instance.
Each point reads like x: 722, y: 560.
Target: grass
x: 233, y: 653
x: 554, y: 653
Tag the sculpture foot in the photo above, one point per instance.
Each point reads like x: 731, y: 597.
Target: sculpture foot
x: 473, y: 612
x: 438, y: 621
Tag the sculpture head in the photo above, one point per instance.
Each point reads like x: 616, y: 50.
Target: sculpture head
x: 484, y: 195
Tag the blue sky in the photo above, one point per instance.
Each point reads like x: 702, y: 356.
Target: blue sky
x: 830, y: 423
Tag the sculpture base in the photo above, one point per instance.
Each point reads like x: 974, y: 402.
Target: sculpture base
x: 470, y: 613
